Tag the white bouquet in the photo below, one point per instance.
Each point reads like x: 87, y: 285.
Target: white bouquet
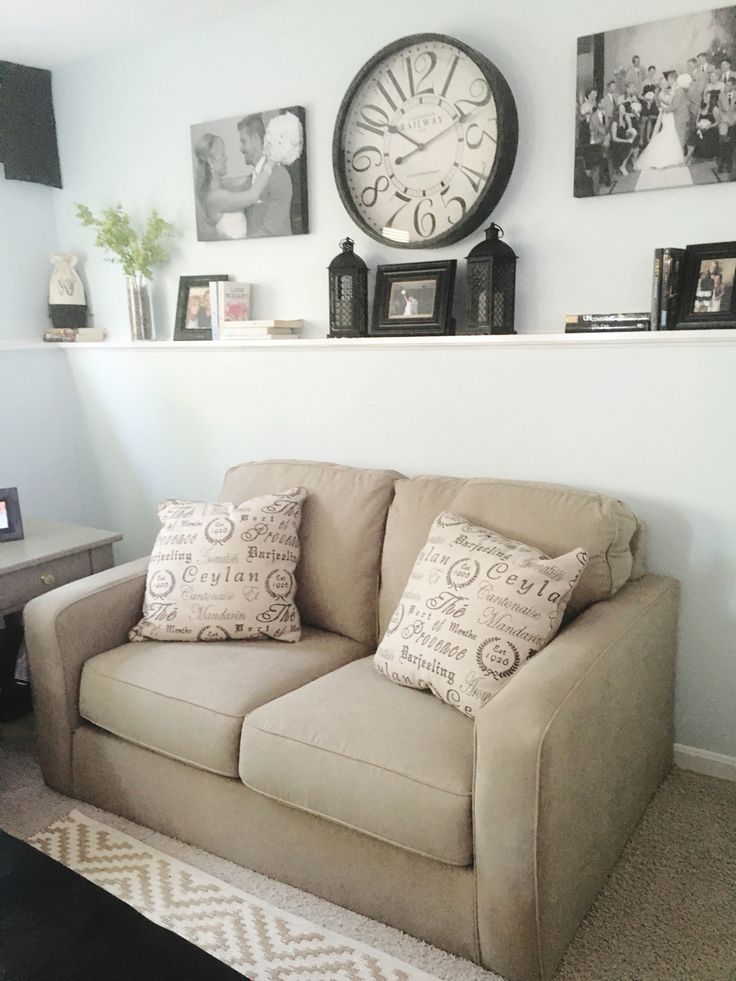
x: 284, y: 139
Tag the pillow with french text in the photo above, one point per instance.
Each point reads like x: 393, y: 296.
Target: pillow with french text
x: 476, y: 607
x: 221, y: 571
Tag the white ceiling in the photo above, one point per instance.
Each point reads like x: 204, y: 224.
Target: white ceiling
x: 50, y: 33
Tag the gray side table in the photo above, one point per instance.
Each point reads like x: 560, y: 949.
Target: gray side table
x: 51, y: 554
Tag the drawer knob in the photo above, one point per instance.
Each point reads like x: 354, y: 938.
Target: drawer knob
x: 48, y: 578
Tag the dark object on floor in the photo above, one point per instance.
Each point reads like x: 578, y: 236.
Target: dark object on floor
x: 15, y: 701
x: 15, y: 696
x: 56, y: 924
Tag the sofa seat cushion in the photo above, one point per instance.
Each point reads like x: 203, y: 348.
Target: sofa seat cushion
x: 188, y: 700
x: 356, y: 749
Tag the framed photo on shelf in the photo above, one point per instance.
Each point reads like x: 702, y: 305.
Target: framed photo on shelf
x: 708, y: 296
x: 414, y: 299
x: 194, y: 308
x: 11, y: 525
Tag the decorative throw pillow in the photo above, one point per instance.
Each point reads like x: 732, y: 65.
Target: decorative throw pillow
x: 224, y: 572
x: 475, y: 608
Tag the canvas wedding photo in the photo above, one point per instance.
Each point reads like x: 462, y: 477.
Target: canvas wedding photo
x: 656, y: 105
x: 250, y: 175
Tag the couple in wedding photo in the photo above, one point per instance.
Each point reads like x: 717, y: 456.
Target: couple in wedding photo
x: 265, y: 194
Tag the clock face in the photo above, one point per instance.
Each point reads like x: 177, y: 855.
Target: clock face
x: 425, y: 141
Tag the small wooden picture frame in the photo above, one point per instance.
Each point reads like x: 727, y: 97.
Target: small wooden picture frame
x: 708, y: 294
x: 193, y: 308
x: 11, y: 525
x: 414, y: 299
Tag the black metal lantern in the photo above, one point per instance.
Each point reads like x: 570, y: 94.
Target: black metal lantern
x: 348, y: 293
x: 491, y: 285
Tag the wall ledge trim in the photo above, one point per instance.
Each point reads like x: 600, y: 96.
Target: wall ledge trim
x: 703, y: 761
x: 674, y: 338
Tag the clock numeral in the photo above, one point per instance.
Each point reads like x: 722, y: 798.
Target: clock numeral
x: 379, y: 187
x: 374, y: 119
x: 382, y: 89
x: 363, y: 153
x: 406, y: 201
x: 448, y: 201
x: 483, y: 132
x: 426, y: 223
x: 451, y: 72
x: 410, y: 77
x: 395, y: 82
x: 430, y: 59
x: 471, y: 175
x: 482, y: 92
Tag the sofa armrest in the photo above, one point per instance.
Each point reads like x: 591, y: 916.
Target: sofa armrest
x: 567, y: 757
x: 64, y: 628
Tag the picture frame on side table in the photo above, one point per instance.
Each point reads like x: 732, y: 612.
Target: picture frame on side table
x: 194, y: 309
x: 414, y: 299
x: 11, y: 524
x: 708, y: 296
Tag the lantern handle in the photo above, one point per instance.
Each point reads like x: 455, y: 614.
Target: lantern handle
x: 494, y: 231
x: 347, y: 244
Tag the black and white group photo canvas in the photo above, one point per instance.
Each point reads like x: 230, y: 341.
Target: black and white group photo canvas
x: 250, y: 175
x: 656, y: 105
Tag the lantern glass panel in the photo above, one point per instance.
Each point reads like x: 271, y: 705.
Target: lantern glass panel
x: 503, y: 297
x: 343, y: 302
x: 479, y: 291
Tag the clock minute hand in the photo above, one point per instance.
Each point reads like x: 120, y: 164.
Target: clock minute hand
x: 437, y: 136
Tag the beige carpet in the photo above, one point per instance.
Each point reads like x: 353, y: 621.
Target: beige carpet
x: 667, y: 912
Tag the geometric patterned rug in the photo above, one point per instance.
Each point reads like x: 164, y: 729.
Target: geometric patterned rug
x: 251, y: 936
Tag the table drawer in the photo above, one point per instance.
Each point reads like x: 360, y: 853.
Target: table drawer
x: 16, y: 588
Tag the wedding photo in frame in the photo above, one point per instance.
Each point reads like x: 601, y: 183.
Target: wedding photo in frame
x: 414, y: 299
x: 250, y: 175
x: 708, y: 296
x: 11, y: 524
x: 656, y: 105
x: 194, y: 308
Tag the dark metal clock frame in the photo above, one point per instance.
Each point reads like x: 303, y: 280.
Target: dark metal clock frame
x: 507, y: 128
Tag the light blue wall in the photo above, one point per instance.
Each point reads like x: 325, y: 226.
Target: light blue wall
x: 651, y: 424
x: 27, y: 236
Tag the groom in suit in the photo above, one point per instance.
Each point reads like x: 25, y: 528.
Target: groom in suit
x: 679, y: 106
x: 271, y: 214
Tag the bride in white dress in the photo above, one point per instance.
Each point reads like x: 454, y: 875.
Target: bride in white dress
x: 664, y: 149
x: 222, y: 200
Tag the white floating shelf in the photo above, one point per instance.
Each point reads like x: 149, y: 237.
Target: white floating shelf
x: 475, y: 342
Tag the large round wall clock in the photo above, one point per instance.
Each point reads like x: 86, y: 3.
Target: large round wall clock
x: 425, y: 141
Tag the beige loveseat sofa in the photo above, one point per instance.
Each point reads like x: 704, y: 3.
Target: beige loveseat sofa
x: 488, y: 838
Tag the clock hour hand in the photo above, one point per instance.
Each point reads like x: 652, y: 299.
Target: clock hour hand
x: 395, y: 129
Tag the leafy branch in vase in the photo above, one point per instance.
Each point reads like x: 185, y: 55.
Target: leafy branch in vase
x: 137, y: 254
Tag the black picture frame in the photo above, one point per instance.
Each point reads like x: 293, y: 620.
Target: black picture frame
x: 11, y: 524
x: 414, y: 299
x: 698, y: 293
x: 186, y: 284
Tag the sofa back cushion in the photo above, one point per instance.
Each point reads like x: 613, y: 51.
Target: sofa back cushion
x: 552, y: 518
x: 341, y: 537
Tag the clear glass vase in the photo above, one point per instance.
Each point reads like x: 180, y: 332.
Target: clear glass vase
x: 139, y: 307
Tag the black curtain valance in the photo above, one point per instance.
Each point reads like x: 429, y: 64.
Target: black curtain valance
x: 28, y: 147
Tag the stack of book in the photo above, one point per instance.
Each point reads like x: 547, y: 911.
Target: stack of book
x: 247, y: 330
x: 666, y: 287
x: 593, y: 323
x: 73, y: 335
x: 230, y: 303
